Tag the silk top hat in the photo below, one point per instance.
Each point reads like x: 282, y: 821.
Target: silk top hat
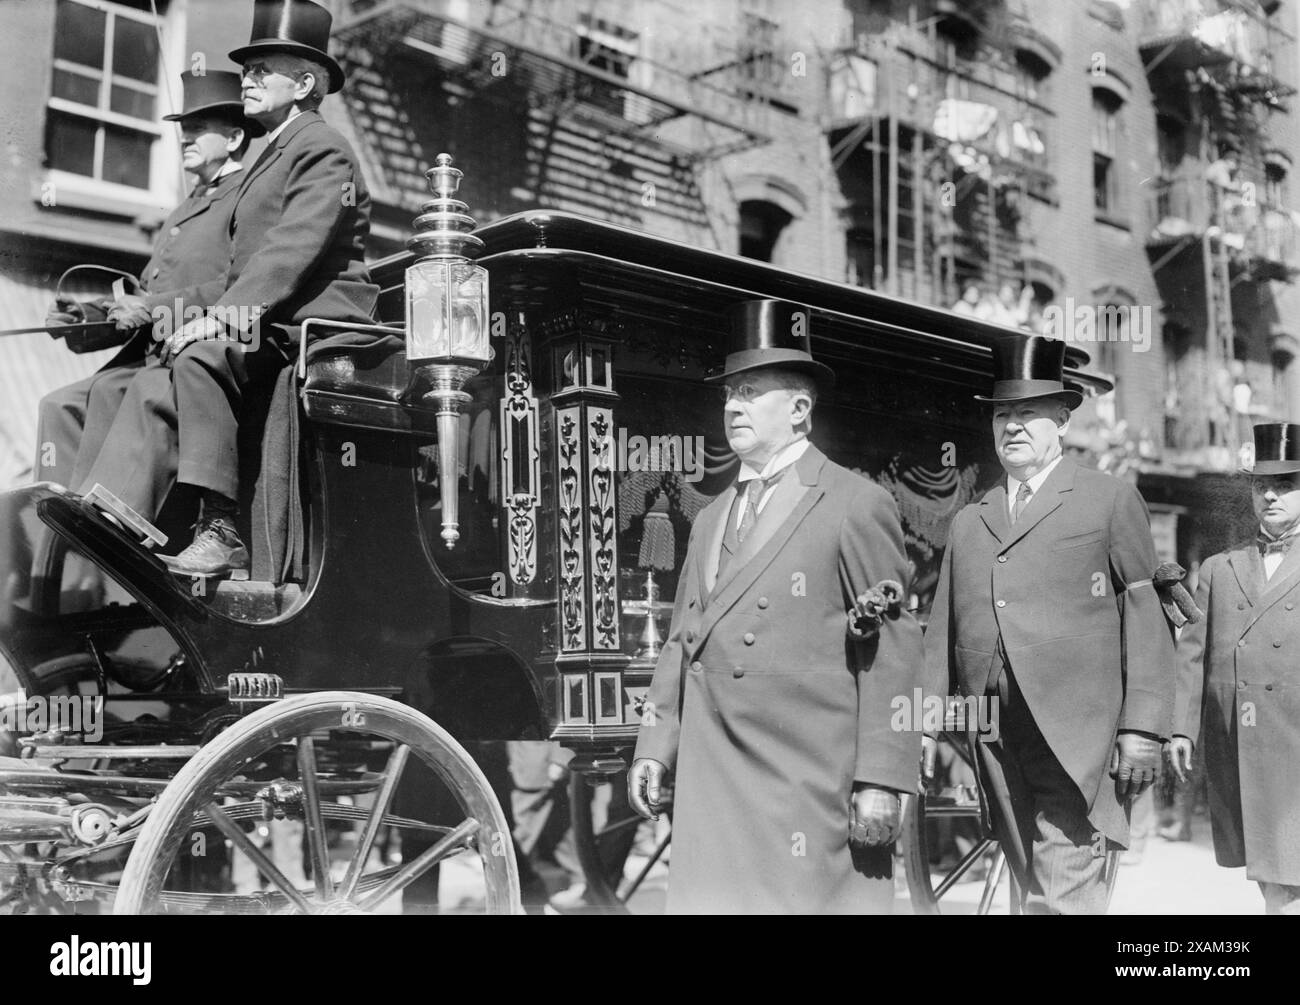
x: 215, y: 93
x: 771, y: 333
x: 296, y: 27
x: 1277, y: 449
x: 1029, y: 366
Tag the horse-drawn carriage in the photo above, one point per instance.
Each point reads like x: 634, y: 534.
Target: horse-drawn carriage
x: 343, y: 688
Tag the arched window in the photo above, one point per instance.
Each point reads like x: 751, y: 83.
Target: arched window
x: 761, y: 224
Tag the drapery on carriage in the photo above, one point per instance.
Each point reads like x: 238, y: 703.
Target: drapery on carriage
x: 345, y: 685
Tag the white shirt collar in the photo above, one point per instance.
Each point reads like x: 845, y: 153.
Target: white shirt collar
x: 1035, y: 483
x: 270, y: 137
x: 782, y: 459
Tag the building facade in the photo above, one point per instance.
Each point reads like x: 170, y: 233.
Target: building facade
x: 1127, y: 164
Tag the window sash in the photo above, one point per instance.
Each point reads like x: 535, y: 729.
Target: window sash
x: 102, y: 113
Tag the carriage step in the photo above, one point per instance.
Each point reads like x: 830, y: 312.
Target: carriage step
x: 252, y: 600
x: 254, y: 688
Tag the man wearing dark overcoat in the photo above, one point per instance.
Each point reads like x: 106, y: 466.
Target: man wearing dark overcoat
x: 771, y: 700
x: 192, y: 248
x: 298, y: 232
x: 1045, y: 608
x: 1239, y: 681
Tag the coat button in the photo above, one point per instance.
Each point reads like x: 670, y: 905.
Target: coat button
x: 174, y: 231
x: 762, y: 603
x: 737, y: 673
x: 697, y: 666
x: 1268, y: 687
x: 749, y: 638
x: 691, y: 604
x: 1002, y: 603
x: 1277, y: 644
x: 1241, y: 643
x: 154, y: 274
x: 1241, y: 685
x: 690, y: 636
x: 1241, y: 607
x: 1002, y: 558
x: 1290, y: 607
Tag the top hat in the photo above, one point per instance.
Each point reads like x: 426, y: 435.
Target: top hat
x: 215, y: 92
x: 771, y: 333
x: 1277, y: 449
x: 297, y: 27
x: 1027, y: 367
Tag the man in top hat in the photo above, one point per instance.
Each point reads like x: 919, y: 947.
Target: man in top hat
x: 192, y: 247
x: 1045, y: 609
x: 1239, y: 675
x: 770, y: 703
x: 298, y: 232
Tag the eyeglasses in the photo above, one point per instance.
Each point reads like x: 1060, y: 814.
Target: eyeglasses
x: 744, y: 393
x: 257, y: 72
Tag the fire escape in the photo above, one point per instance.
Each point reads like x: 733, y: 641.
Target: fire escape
x: 938, y: 133
x: 573, y: 116
x: 1219, y: 227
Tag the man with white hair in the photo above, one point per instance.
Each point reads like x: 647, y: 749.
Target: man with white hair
x: 298, y: 235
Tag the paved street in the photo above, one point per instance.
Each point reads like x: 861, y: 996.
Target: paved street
x: 1172, y: 878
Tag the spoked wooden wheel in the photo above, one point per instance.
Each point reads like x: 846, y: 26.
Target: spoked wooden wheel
x: 933, y: 872
x: 292, y: 756
x: 604, y: 852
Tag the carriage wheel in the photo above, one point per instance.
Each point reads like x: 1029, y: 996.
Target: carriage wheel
x: 310, y: 731
x: 603, y: 853
x: 929, y: 882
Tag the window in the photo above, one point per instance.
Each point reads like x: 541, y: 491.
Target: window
x: 102, y: 118
x: 1105, y: 130
x: 761, y: 224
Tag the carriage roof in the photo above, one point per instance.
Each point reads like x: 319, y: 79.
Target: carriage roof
x: 547, y: 258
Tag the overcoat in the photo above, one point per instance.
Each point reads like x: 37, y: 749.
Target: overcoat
x: 1239, y: 700
x: 767, y: 712
x: 192, y: 248
x: 1068, y: 590
x: 297, y: 233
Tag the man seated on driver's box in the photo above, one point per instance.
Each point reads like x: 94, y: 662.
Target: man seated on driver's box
x: 298, y: 232
x: 192, y: 247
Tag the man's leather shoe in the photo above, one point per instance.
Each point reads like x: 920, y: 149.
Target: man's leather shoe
x: 215, y: 551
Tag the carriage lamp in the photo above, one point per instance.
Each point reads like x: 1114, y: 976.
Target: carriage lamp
x: 447, y: 324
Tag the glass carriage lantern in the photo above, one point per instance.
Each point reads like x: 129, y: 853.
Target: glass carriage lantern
x: 447, y: 321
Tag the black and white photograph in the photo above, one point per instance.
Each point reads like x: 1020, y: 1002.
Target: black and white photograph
x: 602, y: 458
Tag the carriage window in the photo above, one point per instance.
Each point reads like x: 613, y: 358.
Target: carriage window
x: 672, y: 459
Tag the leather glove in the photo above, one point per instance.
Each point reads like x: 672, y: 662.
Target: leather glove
x: 644, y: 787
x: 1134, y: 763
x: 64, y: 312
x: 929, y: 752
x: 130, y: 312
x: 1180, y: 756
x: 876, y: 817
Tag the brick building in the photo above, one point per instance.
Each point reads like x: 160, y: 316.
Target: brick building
x: 916, y: 147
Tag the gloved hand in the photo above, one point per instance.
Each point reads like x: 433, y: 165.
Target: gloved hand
x: 1180, y: 756
x: 1134, y: 763
x: 130, y: 312
x: 876, y: 818
x: 644, y: 786
x: 64, y: 312
x: 929, y: 752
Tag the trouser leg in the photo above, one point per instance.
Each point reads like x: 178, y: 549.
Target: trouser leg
x: 60, y: 419
x: 137, y: 461
x: 107, y: 391
x: 1280, y: 898
x: 210, y: 380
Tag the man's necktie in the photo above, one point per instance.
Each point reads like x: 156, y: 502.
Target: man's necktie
x: 1022, y: 500
x: 1273, y: 546
x: 754, y: 489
